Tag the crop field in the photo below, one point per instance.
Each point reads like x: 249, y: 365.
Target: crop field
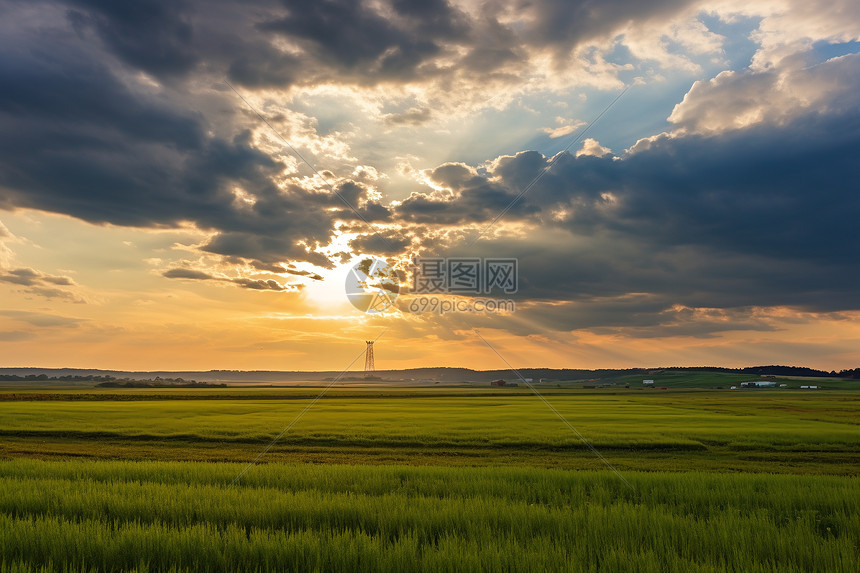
x: 751, y: 431
x: 429, y: 479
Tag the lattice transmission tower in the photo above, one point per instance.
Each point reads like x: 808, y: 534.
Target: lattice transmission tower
x: 369, y: 366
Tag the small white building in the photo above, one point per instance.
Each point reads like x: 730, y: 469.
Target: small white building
x: 648, y: 382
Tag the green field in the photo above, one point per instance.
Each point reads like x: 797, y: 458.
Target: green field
x: 429, y: 479
x: 784, y: 431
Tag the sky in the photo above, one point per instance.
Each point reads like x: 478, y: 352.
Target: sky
x: 186, y: 185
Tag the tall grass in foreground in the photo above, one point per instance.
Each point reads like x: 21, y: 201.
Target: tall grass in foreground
x: 151, y: 516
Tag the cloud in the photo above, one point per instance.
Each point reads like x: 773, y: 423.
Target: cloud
x: 469, y: 198
x: 6, y: 254
x: 40, y: 284
x: 301, y: 273
x: 259, y: 284
x: 190, y: 274
x: 793, y: 26
x: 759, y: 216
x: 15, y: 336
x: 560, y: 27
x: 33, y: 281
x: 734, y: 100
x: 566, y: 127
x: 244, y: 282
x: 118, y: 119
x: 364, y: 43
x: 592, y: 147
x: 434, y: 43
x: 32, y: 277
x: 55, y: 293
x: 645, y: 316
x: 121, y: 157
x: 383, y: 243
x: 412, y: 116
x: 132, y: 29
x: 41, y: 319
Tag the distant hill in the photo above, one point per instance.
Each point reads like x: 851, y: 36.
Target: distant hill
x: 417, y: 374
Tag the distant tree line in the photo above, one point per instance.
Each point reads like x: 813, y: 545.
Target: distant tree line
x: 46, y: 378
x: 159, y: 383
x: 777, y: 371
x: 112, y: 381
x: 570, y: 374
x: 854, y: 374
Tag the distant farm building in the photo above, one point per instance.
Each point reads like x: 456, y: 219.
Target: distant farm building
x: 648, y: 382
x: 497, y: 383
x: 809, y: 387
x: 759, y: 384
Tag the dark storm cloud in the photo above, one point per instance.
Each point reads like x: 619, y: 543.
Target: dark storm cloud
x: 496, y: 50
x: 346, y: 41
x: 340, y: 40
x: 562, y: 24
x: 265, y: 67
x: 153, y: 35
x: 474, y: 198
x: 46, y: 90
x: 644, y: 316
x: 760, y: 216
x: 86, y: 142
x: 413, y: 40
x: 91, y: 137
x: 350, y: 36
x: 384, y: 243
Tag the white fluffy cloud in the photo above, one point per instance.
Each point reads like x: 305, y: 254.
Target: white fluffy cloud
x: 592, y: 147
x: 793, y: 26
x: 734, y: 100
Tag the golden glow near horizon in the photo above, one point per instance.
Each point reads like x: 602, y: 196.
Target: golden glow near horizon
x: 167, y: 227
x: 122, y: 314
